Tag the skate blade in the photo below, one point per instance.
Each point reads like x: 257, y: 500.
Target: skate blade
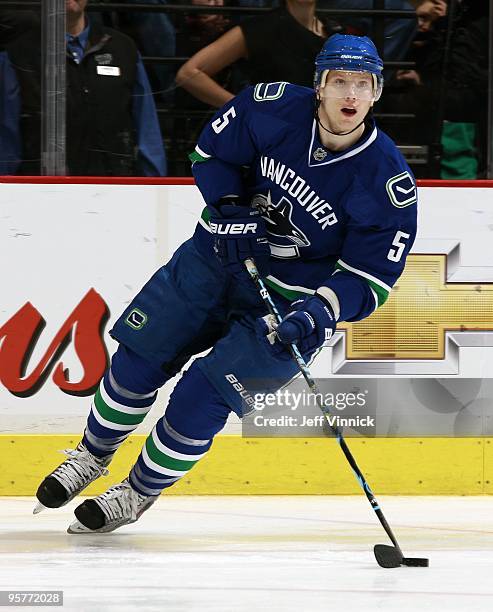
x: 78, y: 528
x: 39, y: 508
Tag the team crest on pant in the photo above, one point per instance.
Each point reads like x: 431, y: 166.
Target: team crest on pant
x: 136, y: 319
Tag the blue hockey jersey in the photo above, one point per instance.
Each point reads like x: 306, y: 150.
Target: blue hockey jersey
x: 341, y: 223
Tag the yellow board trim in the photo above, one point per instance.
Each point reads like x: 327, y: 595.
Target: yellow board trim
x: 277, y: 466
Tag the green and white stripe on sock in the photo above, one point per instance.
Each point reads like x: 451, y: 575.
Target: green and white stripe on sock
x: 115, y: 414
x: 165, y: 459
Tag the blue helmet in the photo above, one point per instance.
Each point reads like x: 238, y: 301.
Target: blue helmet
x: 352, y: 53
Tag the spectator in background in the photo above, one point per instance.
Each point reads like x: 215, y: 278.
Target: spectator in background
x: 10, y: 141
x: 194, y: 32
x: 278, y: 46
x: 201, y: 29
x: 428, y: 11
x: 398, y: 32
x: 155, y: 36
x: 12, y: 25
x: 198, y: 30
x: 272, y: 4
x: 463, y: 82
x: 204, y: 28
x: 112, y: 127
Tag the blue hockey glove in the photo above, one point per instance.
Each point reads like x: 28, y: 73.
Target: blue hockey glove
x: 239, y: 233
x: 310, y: 323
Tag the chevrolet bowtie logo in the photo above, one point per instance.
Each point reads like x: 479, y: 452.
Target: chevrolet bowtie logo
x: 422, y: 307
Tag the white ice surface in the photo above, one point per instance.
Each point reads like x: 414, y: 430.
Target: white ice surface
x: 257, y: 553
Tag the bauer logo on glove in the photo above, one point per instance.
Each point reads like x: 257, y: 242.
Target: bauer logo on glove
x: 233, y: 228
x: 239, y: 234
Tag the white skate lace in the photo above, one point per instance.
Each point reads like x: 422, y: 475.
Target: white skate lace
x: 121, y: 502
x: 79, y: 469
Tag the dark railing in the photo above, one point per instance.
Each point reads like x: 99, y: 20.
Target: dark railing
x: 187, y: 8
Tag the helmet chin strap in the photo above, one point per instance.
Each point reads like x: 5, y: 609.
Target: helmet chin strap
x: 317, y: 119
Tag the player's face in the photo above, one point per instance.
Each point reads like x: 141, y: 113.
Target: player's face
x: 346, y: 98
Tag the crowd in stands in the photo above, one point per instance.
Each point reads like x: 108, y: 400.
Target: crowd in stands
x: 123, y: 112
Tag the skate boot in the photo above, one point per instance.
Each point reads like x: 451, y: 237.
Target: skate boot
x: 70, y: 478
x: 119, y: 505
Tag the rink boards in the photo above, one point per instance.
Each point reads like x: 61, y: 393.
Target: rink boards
x: 73, y: 257
x: 283, y: 466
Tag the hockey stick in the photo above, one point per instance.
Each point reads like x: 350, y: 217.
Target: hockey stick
x: 386, y: 556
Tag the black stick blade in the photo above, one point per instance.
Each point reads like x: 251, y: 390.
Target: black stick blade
x: 415, y: 561
x: 387, y: 556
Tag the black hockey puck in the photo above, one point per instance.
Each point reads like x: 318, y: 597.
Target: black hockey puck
x: 415, y: 561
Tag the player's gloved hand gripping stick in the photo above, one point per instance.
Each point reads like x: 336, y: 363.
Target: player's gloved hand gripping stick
x: 386, y: 556
x: 239, y: 233
x: 310, y: 324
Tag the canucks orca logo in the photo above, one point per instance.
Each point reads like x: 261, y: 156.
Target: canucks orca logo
x: 279, y: 223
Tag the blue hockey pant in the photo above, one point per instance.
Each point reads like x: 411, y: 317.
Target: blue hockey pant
x: 187, y: 307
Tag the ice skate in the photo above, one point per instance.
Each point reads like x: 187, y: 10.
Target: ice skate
x: 70, y: 478
x: 119, y: 505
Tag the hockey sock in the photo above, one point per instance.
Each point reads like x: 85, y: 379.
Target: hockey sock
x: 124, y: 397
x: 195, y: 413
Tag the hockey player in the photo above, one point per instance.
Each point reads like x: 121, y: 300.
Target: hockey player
x: 306, y: 184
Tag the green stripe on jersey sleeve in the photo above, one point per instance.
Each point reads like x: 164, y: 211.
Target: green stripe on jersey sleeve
x: 289, y: 292
x: 205, y: 215
x: 381, y: 292
x: 195, y: 156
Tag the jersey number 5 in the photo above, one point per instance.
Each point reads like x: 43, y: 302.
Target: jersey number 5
x: 396, y: 254
x: 221, y: 122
